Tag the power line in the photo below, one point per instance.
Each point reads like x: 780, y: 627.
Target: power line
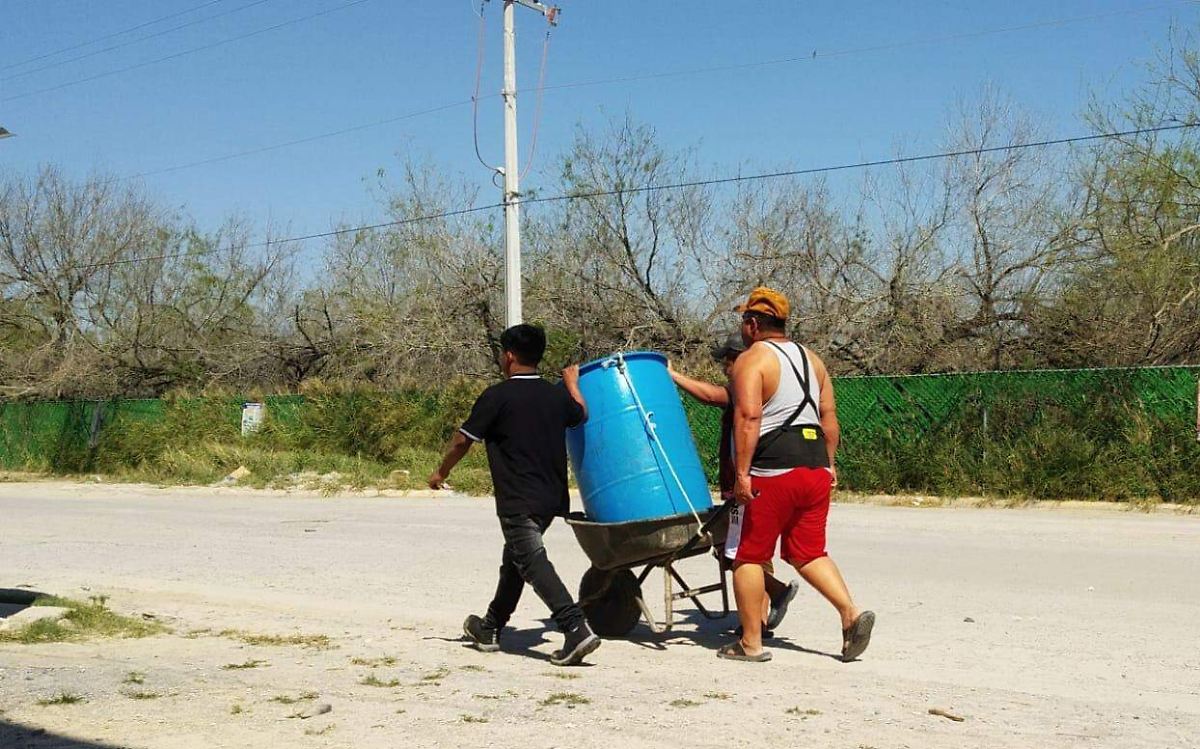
x: 184, y: 53
x: 665, y: 74
x: 106, y: 37
x: 163, y: 32
x: 286, y: 144
x: 896, y: 161
x: 817, y: 54
x: 303, y: 238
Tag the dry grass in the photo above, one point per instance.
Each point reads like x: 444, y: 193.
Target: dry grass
x: 82, y: 621
x: 62, y: 698
x: 570, y: 699
x: 309, y: 642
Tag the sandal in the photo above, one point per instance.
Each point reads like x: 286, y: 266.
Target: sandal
x: 857, y: 636
x: 735, y: 652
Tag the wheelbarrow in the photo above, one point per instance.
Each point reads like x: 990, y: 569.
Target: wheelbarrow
x: 610, y: 592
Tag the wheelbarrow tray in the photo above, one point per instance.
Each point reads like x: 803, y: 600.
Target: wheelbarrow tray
x: 612, y: 546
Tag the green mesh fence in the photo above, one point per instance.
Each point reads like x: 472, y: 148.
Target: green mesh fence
x: 1093, y: 434
x: 1110, y: 433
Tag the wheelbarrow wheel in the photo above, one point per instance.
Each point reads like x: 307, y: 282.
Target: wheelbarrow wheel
x: 609, y: 601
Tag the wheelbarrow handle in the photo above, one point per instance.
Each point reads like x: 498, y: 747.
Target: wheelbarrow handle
x: 716, y: 517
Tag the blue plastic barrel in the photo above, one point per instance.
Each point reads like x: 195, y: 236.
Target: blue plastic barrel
x: 624, y: 454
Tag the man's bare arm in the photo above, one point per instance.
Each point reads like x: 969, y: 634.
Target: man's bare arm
x: 828, y: 405
x: 705, y: 392
x: 747, y: 411
x: 570, y: 377
x: 459, y: 445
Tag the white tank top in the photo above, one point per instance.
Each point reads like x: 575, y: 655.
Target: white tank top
x: 789, y: 395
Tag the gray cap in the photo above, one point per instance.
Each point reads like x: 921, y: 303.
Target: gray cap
x: 732, y: 345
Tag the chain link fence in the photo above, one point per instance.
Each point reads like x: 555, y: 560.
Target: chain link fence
x: 1091, y: 434
x: 1095, y: 433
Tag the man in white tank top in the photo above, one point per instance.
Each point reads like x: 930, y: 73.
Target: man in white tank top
x: 786, y: 433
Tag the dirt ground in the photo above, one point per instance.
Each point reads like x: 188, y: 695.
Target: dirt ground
x: 1046, y: 628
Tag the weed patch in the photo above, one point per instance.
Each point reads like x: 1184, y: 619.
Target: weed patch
x: 374, y: 662
x: 570, y: 699
x: 310, y: 642
x: 285, y: 699
x: 82, y: 621
x: 435, y: 677
x: 243, y: 665
x: 62, y: 698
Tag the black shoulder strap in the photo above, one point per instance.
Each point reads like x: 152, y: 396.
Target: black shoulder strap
x: 804, y: 381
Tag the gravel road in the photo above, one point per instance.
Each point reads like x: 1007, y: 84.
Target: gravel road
x: 1047, y: 628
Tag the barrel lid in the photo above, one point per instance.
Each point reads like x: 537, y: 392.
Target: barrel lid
x: 627, y: 355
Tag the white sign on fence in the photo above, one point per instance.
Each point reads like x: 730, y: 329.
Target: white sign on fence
x: 252, y: 417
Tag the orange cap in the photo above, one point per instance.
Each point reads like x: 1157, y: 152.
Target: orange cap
x: 767, y: 301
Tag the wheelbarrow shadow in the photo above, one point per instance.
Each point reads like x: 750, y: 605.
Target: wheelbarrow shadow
x: 694, y: 629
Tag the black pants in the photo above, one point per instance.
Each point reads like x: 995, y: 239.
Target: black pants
x: 525, y: 561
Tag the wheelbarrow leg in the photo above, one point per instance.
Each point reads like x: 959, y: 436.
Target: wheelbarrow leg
x: 668, y: 597
x: 687, y: 591
x: 647, y: 614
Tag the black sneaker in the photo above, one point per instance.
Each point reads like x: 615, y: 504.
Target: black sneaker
x: 767, y: 634
x: 580, y: 642
x: 479, y: 636
x: 779, y: 606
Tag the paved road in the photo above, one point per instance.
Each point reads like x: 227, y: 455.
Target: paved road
x: 1041, y: 627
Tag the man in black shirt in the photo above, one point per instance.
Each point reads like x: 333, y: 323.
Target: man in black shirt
x: 523, y: 422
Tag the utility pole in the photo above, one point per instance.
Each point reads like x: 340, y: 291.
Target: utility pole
x: 511, y: 170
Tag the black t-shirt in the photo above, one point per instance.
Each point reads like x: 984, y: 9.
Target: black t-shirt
x: 523, y: 422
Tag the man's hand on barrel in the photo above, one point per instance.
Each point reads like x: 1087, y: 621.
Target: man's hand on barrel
x: 570, y: 376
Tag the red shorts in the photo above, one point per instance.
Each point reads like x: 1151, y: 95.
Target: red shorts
x: 793, y: 507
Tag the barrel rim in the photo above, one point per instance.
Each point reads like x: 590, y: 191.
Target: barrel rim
x: 640, y: 354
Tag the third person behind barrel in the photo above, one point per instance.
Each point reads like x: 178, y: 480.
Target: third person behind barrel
x: 785, y: 437
x: 726, y: 352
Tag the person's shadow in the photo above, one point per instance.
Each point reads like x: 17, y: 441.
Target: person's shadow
x: 705, y: 633
x: 17, y: 736
x: 520, y: 641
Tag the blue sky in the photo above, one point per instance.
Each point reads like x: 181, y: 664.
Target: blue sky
x: 381, y: 59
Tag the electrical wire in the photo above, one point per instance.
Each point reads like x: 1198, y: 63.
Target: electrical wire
x: 287, y: 144
x: 676, y: 73
x: 290, y: 240
x: 164, y: 32
x: 817, y: 54
x: 184, y: 53
x: 106, y: 37
x: 475, y: 95
x: 674, y: 186
x: 537, y: 110
x: 896, y: 161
